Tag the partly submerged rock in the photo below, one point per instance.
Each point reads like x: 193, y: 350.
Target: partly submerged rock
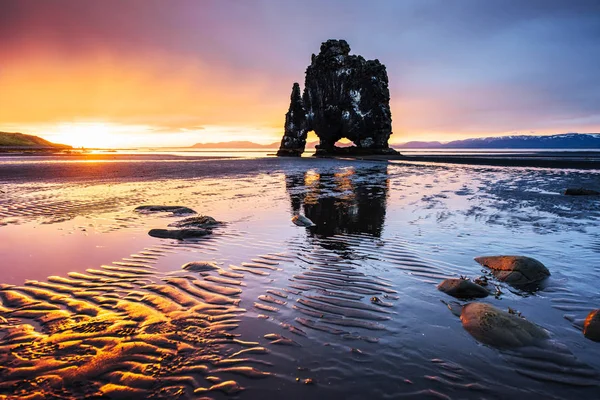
x: 497, y: 328
x: 179, y: 233
x: 581, y: 192
x: 591, y: 326
x: 515, y: 270
x: 345, y: 96
x: 201, y: 221
x: 200, y: 266
x: 301, y: 220
x: 462, y: 288
x: 175, y: 210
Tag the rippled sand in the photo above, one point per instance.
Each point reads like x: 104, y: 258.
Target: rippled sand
x: 91, y: 305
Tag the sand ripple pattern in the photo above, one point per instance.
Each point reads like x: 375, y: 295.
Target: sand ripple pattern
x: 125, y: 330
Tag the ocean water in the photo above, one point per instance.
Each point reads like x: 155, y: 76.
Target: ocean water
x: 92, y: 305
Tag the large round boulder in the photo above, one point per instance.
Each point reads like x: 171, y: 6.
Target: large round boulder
x: 515, y: 270
x: 462, y: 288
x: 591, y: 326
x: 497, y: 328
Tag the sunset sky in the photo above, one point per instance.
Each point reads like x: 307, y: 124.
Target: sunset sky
x: 102, y: 73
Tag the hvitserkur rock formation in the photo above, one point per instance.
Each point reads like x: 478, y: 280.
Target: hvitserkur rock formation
x: 345, y: 96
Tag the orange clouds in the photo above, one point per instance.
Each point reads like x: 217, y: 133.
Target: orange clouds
x: 168, y: 94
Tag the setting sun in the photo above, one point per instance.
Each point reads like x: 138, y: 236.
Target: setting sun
x: 85, y: 135
x: 95, y: 134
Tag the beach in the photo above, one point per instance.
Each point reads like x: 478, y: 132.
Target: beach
x: 92, y: 305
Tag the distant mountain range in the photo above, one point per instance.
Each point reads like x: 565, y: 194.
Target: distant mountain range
x: 235, y: 145
x: 561, y: 141
x: 14, y: 139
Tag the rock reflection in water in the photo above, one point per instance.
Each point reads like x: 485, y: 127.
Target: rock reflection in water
x: 343, y: 202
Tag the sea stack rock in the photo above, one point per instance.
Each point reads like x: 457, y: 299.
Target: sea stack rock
x: 345, y: 96
x: 294, y: 137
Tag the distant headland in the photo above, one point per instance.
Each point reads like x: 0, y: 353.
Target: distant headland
x: 15, y: 140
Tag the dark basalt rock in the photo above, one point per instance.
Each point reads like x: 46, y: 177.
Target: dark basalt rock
x: 462, y: 289
x: 296, y: 126
x: 175, y: 210
x: 179, y: 234
x: 581, y: 192
x: 199, y: 222
x: 345, y: 96
x: 591, y: 326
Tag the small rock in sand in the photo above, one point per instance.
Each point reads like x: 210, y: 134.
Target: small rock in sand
x: 462, y: 289
x: 515, y: 270
x: 581, y: 192
x: 178, y: 233
x: 591, y: 326
x: 497, y: 328
x: 200, y: 266
x: 301, y: 220
x: 201, y: 221
x: 175, y: 210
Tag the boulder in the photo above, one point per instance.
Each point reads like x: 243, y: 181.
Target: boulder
x: 200, y: 266
x: 301, y: 220
x: 581, y: 192
x: 202, y: 221
x: 462, y: 289
x: 515, y: 270
x: 178, y: 233
x: 591, y: 326
x: 175, y: 210
x: 497, y: 328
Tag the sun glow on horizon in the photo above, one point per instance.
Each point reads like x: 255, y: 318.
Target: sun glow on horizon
x: 110, y: 135
x: 93, y: 134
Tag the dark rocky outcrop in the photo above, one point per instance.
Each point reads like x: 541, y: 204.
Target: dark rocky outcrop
x: 462, y: 289
x: 179, y: 234
x: 591, y: 326
x: 296, y: 126
x: 175, y: 210
x: 581, y: 192
x: 345, y: 96
x: 497, y: 328
x: 515, y: 270
x: 191, y: 227
x: 198, y: 222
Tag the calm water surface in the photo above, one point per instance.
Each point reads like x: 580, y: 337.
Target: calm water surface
x: 97, y: 300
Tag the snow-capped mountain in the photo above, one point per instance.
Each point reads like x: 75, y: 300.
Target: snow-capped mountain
x: 561, y: 141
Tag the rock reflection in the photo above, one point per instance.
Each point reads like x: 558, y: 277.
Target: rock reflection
x: 346, y: 201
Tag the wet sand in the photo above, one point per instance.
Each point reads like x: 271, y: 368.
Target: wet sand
x: 537, y: 159
x: 91, y: 305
